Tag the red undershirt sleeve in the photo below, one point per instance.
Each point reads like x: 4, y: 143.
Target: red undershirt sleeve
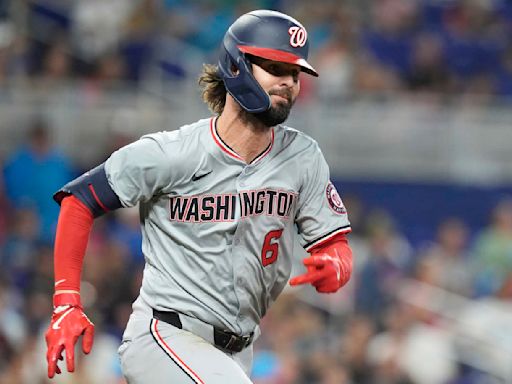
x: 73, y: 230
x: 339, y: 241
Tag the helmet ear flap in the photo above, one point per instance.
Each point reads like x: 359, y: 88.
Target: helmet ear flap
x: 242, y: 86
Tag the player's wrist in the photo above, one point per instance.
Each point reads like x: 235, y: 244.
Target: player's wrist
x: 67, y: 298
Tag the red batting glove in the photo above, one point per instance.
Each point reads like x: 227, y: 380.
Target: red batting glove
x: 67, y: 324
x: 326, y: 273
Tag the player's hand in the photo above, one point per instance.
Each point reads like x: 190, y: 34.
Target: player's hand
x: 67, y: 324
x: 326, y: 273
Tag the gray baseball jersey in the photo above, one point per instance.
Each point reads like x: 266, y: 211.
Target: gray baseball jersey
x: 218, y: 232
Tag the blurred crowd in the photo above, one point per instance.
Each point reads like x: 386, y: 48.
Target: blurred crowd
x: 438, y: 47
x: 435, y: 312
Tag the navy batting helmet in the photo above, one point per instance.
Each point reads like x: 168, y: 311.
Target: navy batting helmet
x: 267, y: 34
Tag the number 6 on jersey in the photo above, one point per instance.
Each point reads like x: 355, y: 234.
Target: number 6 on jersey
x: 270, y: 248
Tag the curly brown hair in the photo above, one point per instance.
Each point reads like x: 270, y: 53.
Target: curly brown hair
x: 212, y: 88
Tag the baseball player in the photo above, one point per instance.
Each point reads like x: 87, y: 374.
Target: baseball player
x: 220, y: 200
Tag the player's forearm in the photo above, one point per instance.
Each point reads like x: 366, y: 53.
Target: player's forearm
x: 73, y: 230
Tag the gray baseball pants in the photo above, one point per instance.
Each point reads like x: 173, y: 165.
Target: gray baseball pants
x: 154, y: 352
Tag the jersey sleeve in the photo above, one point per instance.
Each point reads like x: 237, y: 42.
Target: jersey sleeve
x: 139, y: 170
x: 321, y: 214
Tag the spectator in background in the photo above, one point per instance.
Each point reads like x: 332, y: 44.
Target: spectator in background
x: 335, y: 28
x: 449, y: 259
x: 18, y: 253
x: 389, y: 260
x: 473, y: 39
x: 336, y: 62
x: 33, y: 173
x: 400, y: 354
x: 428, y: 72
x: 137, y: 45
x: 493, y: 250
x: 97, y: 26
x: 357, y: 333
x: 483, y: 335
x: 389, y: 37
x: 385, y: 349
x: 56, y: 66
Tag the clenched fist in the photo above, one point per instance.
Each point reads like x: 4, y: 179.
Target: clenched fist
x: 327, y: 270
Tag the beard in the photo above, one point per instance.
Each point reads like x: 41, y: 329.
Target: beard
x: 275, y: 114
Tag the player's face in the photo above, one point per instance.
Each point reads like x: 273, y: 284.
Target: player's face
x: 281, y: 82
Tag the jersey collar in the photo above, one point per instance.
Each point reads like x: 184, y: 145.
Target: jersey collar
x: 230, y: 152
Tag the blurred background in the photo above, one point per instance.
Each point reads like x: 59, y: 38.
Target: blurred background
x: 412, y: 110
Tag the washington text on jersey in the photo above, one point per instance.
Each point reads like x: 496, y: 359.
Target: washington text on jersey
x: 222, y: 207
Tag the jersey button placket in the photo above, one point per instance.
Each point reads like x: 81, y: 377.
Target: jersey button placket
x: 239, y: 280
x: 242, y: 178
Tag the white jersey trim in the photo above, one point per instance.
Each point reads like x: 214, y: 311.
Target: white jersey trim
x: 327, y: 237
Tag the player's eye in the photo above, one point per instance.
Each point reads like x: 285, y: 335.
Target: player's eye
x: 295, y: 75
x: 283, y: 70
x: 274, y: 70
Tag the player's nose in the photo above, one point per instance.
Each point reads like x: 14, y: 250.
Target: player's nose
x: 287, y: 81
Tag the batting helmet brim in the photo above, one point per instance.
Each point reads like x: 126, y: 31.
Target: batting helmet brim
x: 281, y: 56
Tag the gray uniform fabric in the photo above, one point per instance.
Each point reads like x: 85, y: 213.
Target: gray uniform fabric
x: 217, y: 232
x: 153, y: 352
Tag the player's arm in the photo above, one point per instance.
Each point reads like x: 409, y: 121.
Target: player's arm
x: 81, y: 200
x: 322, y: 221
x: 329, y: 265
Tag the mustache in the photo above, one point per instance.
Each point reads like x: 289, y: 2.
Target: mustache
x: 286, y: 93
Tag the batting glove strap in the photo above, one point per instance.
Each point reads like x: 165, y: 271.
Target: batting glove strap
x: 67, y: 298
x: 67, y: 324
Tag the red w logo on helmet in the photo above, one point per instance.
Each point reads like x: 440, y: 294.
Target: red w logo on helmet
x: 298, y: 36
